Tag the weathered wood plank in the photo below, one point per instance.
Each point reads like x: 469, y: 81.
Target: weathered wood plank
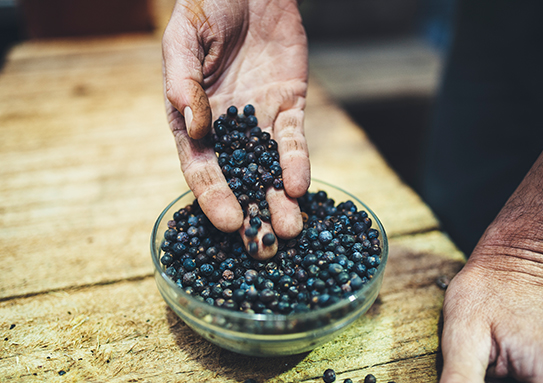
x: 89, y: 163
x: 125, y: 332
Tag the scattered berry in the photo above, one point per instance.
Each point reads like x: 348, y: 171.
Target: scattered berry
x: 329, y: 376
x: 370, y: 379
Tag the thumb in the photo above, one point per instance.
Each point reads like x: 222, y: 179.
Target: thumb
x: 189, y: 98
x: 466, y: 346
x: 183, y: 78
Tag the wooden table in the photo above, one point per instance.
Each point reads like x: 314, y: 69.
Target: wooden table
x: 88, y: 162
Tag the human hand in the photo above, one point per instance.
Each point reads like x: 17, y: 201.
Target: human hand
x: 224, y: 52
x: 493, y: 314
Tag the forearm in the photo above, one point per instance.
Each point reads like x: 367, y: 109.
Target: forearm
x: 517, y: 231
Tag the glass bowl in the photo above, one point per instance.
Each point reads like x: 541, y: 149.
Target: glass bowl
x: 267, y: 334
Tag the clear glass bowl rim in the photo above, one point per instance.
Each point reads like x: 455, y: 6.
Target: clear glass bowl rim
x: 195, y: 303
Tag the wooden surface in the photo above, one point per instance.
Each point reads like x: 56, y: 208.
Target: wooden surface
x: 88, y: 163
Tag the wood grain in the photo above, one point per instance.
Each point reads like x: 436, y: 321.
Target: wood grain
x: 125, y: 332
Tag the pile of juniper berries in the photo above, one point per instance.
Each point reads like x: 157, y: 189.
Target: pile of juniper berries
x: 249, y: 160
x: 336, y: 253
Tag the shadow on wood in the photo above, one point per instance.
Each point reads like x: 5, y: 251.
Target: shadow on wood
x: 221, y: 362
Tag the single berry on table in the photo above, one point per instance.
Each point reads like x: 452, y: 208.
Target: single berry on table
x: 329, y: 376
x: 370, y: 379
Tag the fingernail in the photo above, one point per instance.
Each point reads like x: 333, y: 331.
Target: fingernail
x: 187, y: 112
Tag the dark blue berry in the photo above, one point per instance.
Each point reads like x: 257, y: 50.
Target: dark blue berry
x: 372, y: 261
x: 371, y: 272
x: 249, y: 110
x: 255, y: 134
x: 278, y: 183
x: 251, y: 231
x: 375, y: 250
x: 235, y: 183
x: 268, y: 239
x: 179, y: 249
x: 325, y: 237
x: 265, y: 215
x: 252, y: 248
x: 272, y: 144
x: 308, y: 260
x: 166, y: 259
x: 249, y: 179
x: 189, y: 264
x: 232, y: 111
x: 275, y: 170
x: 265, y: 159
x: 255, y: 222
x: 239, y: 156
x: 342, y: 278
x: 335, y: 268
x: 251, y: 121
x: 207, y: 269
x: 170, y: 235
x: 267, y: 178
x: 166, y: 246
x: 220, y: 129
x: 266, y: 296
x: 356, y: 283
x: 370, y: 379
x: 263, y: 204
x: 238, y: 295
x: 329, y: 376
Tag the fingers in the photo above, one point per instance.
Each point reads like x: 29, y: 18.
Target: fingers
x: 204, y: 177
x: 285, y: 213
x: 258, y: 236
x: 294, y: 157
x: 293, y: 151
x: 466, y: 344
x: 189, y: 116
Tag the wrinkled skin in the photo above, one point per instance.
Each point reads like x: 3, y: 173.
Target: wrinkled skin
x: 221, y: 53
x: 493, y: 310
